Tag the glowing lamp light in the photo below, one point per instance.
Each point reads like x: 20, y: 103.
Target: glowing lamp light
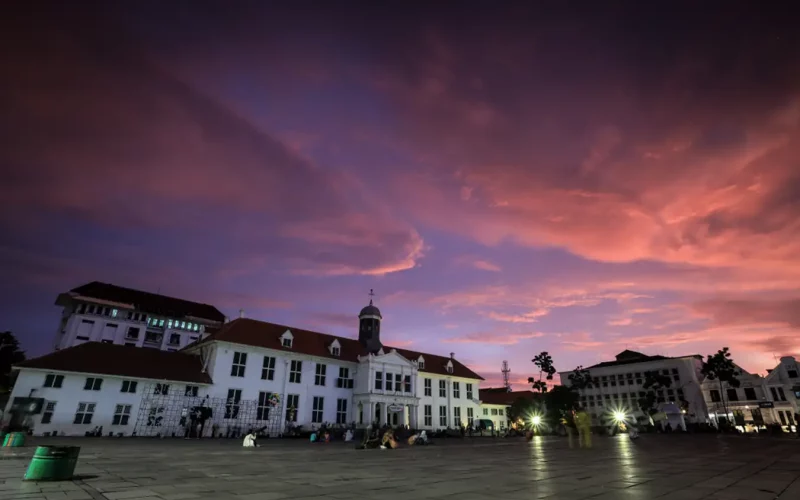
x: 619, y: 416
x: 536, y: 420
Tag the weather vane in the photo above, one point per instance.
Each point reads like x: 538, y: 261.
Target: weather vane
x: 371, y: 294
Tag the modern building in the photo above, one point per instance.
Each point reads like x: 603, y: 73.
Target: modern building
x: 101, y: 312
x: 617, y: 385
x: 248, y: 373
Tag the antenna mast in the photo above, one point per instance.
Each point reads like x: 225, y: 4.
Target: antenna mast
x: 506, y: 372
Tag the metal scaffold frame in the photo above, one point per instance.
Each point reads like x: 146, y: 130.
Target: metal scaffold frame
x: 168, y: 413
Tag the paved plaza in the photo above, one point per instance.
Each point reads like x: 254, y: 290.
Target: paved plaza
x: 680, y: 467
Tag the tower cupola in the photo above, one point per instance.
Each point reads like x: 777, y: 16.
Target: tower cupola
x: 369, y: 326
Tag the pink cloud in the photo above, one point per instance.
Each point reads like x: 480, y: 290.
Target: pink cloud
x: 493, y: 338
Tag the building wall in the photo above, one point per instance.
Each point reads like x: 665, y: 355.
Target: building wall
x: 78, y: 325
x: 611, y: 388
x: 30, y: 383
x: 496, y: 413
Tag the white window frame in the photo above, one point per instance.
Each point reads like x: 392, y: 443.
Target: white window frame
x: 442, y: 388
x: 122, y: 415
x: 129, y: 386
x: 295, y: 371
x: 239, y: 364
x: 262, y: 410
x: 317, y: 409
x: 341, y: 411
x: 232, y: 404
x: 86, y: 412
x: 268, y: 368
x: 428, y: 415
x: 53, y: 381
x: 442, y: 416
x: 93, y: 384
x: 428, y: 387
x: 456, y: 390
x: 47, y: 414
x: 320, y: 374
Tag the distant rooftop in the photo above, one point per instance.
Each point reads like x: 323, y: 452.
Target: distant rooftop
x: 628, y: 357
x: 151, y: 303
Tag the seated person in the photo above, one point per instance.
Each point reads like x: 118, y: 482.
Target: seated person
x: 388, y: 440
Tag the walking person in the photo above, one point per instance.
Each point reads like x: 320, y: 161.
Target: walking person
x: 569, y: 426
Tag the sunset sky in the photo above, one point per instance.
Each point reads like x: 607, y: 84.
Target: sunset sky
x: 509, y: 179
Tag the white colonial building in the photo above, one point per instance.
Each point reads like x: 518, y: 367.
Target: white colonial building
x: 101, y: 312
x: 617, y: 385
x: 247, y: 373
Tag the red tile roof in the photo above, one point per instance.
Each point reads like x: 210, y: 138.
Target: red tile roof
x: 123, y: 361
x: 251, y: 332
x: 149, y: 302
x: 503, y: 398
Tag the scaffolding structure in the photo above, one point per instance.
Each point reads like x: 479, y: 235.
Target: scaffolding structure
x: 171, y: 413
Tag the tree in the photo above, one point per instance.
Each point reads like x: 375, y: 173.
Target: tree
x: 545, y: 363
x: 580, y: 379
x: 560, y: 401
x: 720, y: 367
x: 653, y: 383
x: 10, y: 354
x: 521, y: 408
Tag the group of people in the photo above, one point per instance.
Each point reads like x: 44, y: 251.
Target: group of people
x: 387, y: 439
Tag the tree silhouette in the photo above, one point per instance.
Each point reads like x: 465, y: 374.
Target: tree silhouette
x: 580, y: 378
x: 10, y: 354
x: 545, y: 363
x: 720, y: 367
x: 653, y: 383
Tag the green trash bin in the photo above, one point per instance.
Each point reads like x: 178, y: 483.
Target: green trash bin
x: 14, y: 440
x: 53, y: 463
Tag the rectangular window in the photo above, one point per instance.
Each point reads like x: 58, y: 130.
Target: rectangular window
x: 428, y: 416
x: 336, y: 351
x: 732, y: 395
x: 191, y: 391
x: 239, y: 362
x: 122, y: 413
x: 469, y: 391
x: 389, y: 382
x: 341, y: 411
x: 133, y: 333
x: 442, y: 389
x: 286, y: 342
x: 129, y: 386
x: 378, y: 381
x: 398, y: 382
x: 81, y: 308
x: 443, y: 416
x: 262, y: 411
x: 783, y: 419
x: 791, y: 373
x: 268, y: 368
x: 485, y: 412
x: 84, y: 414
x: 319, y: 376
x: 232, y: 406
x: 161, y: 390
x: 781, y: 394
x: 316, y: 409
x: 456, y: 416
x: 715, y: 397
x: 407, y: 384
x: 500, y: 412
x: 292, y: 406
x: 93, y: 384
x: 470, y: 417
x: 456, y: 390
x: 494, y: 411
x: 175, y: 339
x: 428, y: 387
x: 54, y: 381
x: 774, y: 394
x: 49, y: 409
x: 295, y: 371
x: 749, y: 394
x: 344, y: 381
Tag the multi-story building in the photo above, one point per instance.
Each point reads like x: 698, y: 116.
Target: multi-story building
x: 496, y: 403
x: 747, y: 406
x: 782, y: 385
x: 250, y: 374
x: 617, y: 385
x: 100, y: 312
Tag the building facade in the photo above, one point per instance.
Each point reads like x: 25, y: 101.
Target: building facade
x: 249, y: 374
x: 101, y: 312
x: 617, y: 386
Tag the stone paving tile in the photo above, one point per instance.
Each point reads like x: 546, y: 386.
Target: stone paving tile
x: 685, y: 467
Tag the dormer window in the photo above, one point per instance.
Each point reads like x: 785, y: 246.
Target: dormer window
x: 450, y: 366
x: 421, y: 363
x: 286, y: 339
x: 335, y: 348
